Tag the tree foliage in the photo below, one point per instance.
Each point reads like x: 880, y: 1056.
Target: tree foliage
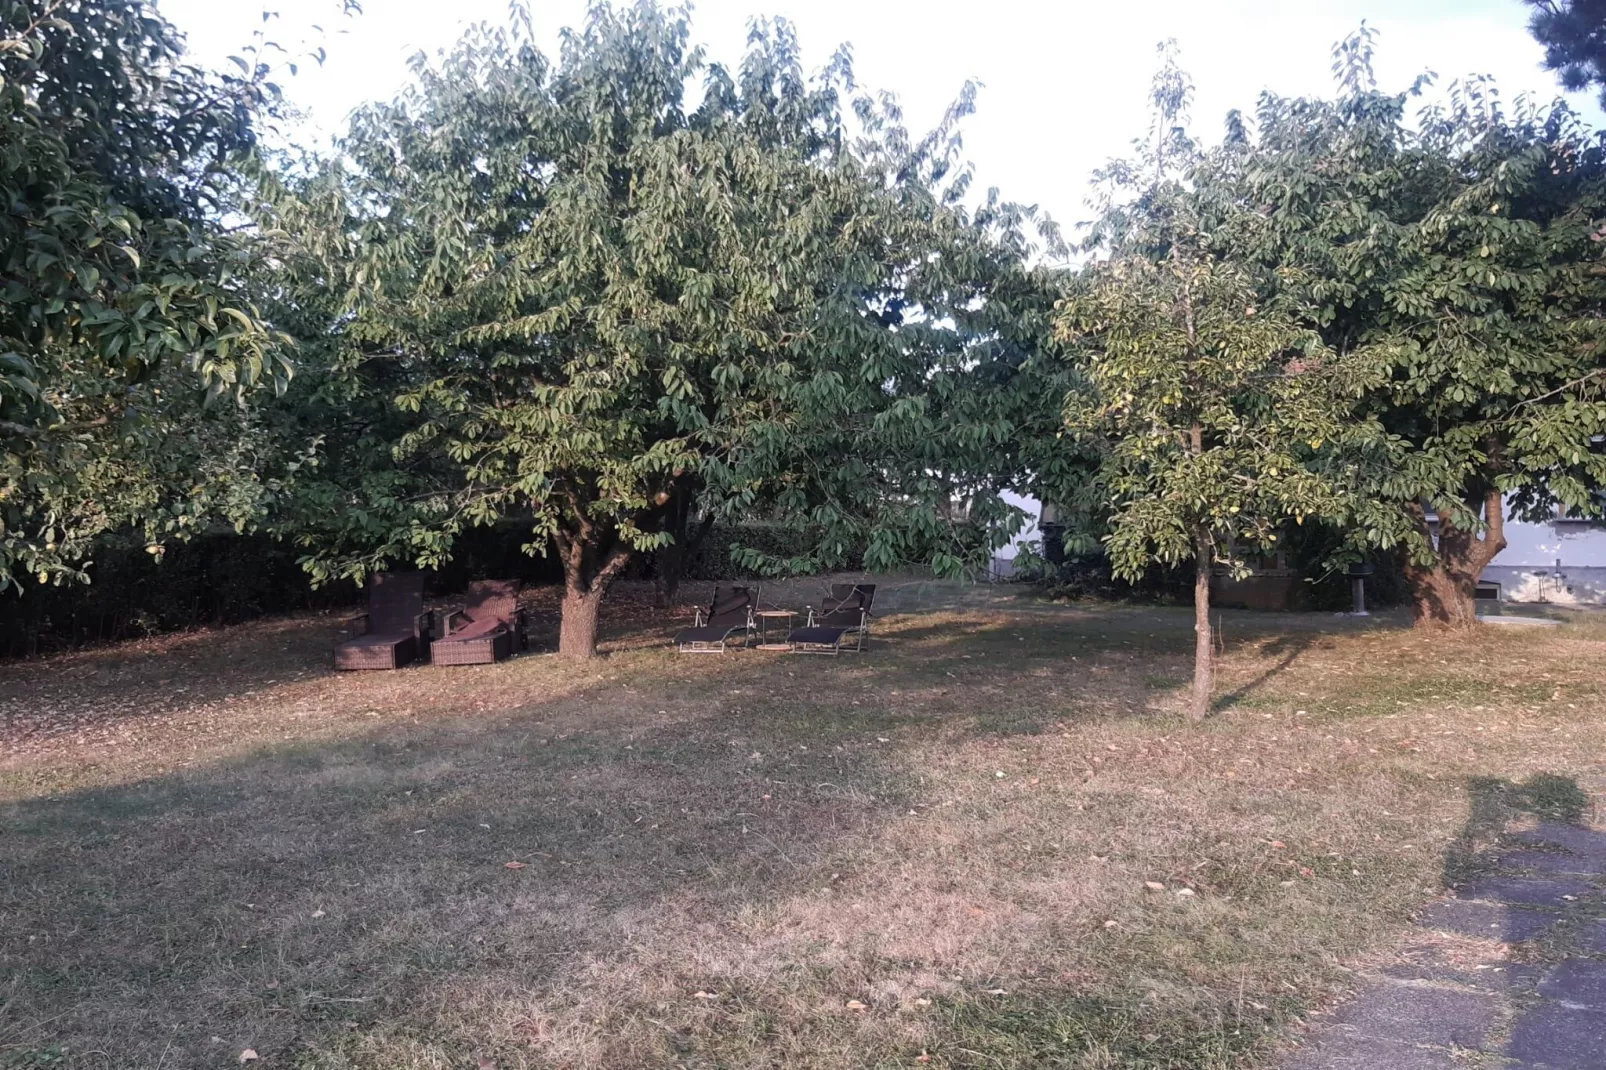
x: 1458, y: 253
x: 1219, y: 420
x: 1574, y: 35
x: 122, y: 300
x: 595, y: 293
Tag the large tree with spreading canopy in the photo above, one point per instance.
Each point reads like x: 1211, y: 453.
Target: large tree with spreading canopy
x: 601, y: 287
x: 1459, y: 253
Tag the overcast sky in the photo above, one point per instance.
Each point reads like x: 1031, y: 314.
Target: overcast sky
x: 1064, y: 80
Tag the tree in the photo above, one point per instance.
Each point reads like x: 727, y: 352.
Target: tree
x: 1218, y: 420
x: 1459, y: 256
x: 595, y: 303
x: 688, y: 526
x: 1574, y: 35
x: 114, y: 166
x: 1214, y: 418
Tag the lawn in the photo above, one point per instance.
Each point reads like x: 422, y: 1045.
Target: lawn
x: 990, y: 842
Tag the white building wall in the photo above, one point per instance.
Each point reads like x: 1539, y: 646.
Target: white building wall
x: 1029, y: 533
x: 1003, y: 566
x: 1562, y: 562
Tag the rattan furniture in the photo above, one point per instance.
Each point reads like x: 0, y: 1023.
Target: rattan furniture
x: 490, y: 626
x: 395, y: 630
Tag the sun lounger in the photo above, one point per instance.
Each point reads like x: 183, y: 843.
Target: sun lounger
x: 845, y: 612
x: 731, y: 611
x: 396, y: 628
x: 489, y: 627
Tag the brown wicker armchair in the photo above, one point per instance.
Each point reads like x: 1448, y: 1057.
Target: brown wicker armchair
x: 490, y: 626
x: 395, y: 630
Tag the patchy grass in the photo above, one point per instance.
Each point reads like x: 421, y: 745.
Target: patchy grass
x: 989, y: 843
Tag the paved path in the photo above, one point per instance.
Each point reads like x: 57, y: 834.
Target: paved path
x: 1459, y: 1004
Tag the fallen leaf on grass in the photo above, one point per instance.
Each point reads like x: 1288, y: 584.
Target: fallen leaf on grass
x: 512, y: 865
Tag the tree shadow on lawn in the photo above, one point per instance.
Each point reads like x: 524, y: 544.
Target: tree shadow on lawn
x: 1286, y: 649
x: 302, y: 898
x: 181, y: 685
x: 285, y: 899
x: 114, y: 684
x: 1490, y: 973
x: 298, y: 897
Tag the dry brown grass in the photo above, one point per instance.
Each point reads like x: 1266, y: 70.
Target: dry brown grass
x: 212, y: 843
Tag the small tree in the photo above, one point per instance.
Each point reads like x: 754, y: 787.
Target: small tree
x: 1218, y: 420
x: 1214, y: 418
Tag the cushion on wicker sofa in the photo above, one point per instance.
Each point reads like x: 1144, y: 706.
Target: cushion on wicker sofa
x: 477, y: 629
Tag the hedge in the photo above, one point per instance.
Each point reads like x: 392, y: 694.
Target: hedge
x: 227, y: 578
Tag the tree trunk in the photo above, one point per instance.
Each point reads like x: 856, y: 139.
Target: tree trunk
x: 1444, y: 594
x: 1204, y: 654
x: 585, y: 584
x: 667, y: 569
x: 1442, y: 597
x: 577, y: 635
x: 669, y: 563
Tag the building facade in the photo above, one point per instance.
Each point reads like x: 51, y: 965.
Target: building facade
x: 1561, y: 562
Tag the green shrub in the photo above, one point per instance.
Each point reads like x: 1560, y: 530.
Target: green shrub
x: 215, y: 579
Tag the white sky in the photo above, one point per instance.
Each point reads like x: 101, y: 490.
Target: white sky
x: 1064, y: 82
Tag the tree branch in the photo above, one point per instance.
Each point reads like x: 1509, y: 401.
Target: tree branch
x: 1563, y: 388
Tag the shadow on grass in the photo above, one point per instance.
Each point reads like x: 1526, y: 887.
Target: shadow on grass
x: 1434, y: 1007
x: 309, y: 899
x: 292, y: 899
x: 1286, y: 649
x: 1494, y: 802
x: 303, y: 897
x: 130, y: 681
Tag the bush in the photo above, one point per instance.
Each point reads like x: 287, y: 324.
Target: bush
x: 215, y: 579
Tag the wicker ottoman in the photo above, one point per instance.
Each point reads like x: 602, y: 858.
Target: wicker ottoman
x: 376, y: 652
